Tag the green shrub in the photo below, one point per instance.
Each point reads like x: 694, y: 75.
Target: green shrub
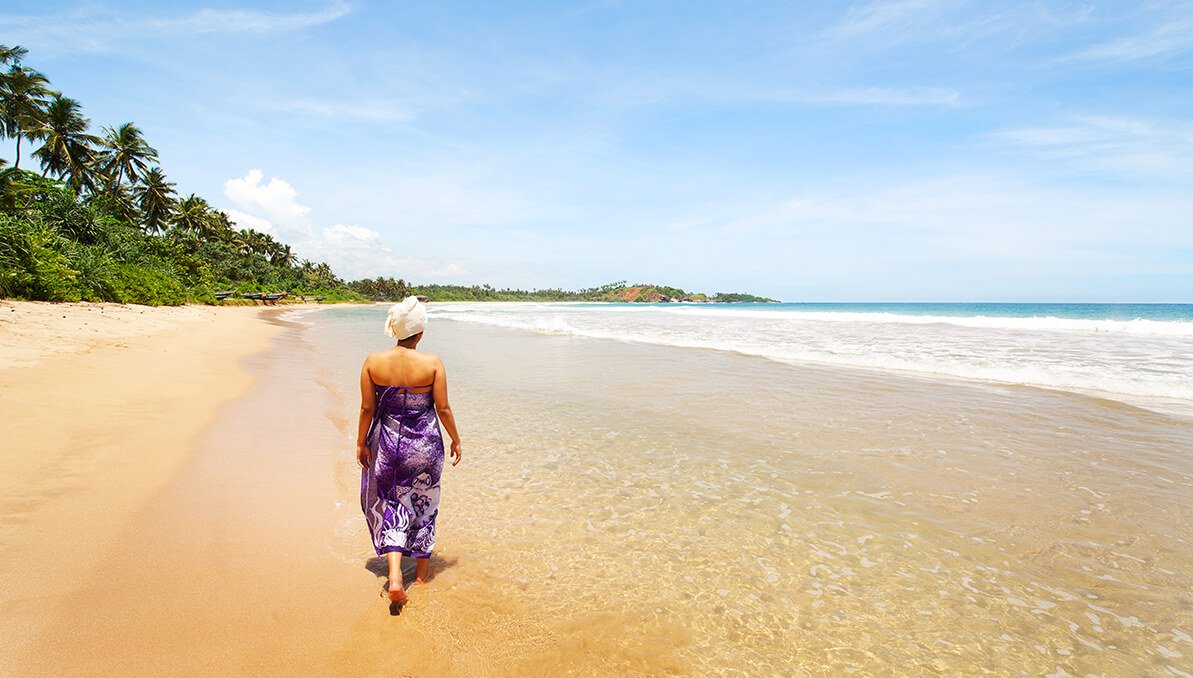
x: 15, y: 277
x: 148, y: 286
x: 200, y: 294
x: 33, y: 264
x: 94, y: 272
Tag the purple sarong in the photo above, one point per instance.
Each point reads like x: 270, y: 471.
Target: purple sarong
x: 399, y: 491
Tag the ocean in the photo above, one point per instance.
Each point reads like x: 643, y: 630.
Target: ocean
x: 1140, y: 353
x: 795, y: 489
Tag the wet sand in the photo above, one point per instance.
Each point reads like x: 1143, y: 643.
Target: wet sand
x: 627, y: 509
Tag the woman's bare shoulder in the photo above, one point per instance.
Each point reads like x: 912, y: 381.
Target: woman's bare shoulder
x: 375, y: 357
x: 431, y: 358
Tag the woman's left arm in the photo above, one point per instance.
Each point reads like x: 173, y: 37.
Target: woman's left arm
x: 368, y: 404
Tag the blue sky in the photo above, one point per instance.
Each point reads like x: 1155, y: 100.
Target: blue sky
x: 904, y: 150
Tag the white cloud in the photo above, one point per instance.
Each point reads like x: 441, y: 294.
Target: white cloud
x: 352, y: 251
x: 243, y: 220
x: 351, y: 235
x: 274, y: 201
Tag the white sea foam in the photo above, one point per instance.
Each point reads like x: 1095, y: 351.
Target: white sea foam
x: 1139, y: 326
x: 296, y: 315
x: 1139, y: 359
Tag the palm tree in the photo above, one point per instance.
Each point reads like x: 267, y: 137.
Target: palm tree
x: 23, y: 96
x: 268, y: 246
x: 155, y: 196
x: 282, y: 256
x: 69, y: 151
x: 6, y: 174
x: 324, y: 274
x: 243, y: 240
x: 12, y: 55
x: 192, y: 214
x: 125, y: 153
x: 219, y: 226
x: 123, y: 202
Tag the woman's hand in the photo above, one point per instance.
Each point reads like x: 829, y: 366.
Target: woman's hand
x: 362, y: 455
x: 456, y: 452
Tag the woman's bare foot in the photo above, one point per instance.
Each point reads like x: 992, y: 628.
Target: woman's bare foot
x: 422, y: 573
x: 396, y: 593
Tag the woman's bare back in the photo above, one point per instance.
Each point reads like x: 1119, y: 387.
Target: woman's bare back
x: 403, y: 367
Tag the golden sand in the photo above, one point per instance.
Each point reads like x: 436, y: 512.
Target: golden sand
x: 101, y: 405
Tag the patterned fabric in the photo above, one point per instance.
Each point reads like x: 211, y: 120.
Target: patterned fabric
x: 399, y: 491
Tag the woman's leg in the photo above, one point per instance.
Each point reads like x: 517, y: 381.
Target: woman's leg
x: 421, y: 574
x: 396, y: 591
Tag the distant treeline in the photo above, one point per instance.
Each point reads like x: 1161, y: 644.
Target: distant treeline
x: 390, y: 289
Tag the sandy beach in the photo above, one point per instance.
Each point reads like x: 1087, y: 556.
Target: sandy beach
x: 102, y: 405
x: 188, y: 504
x: 168, y: 511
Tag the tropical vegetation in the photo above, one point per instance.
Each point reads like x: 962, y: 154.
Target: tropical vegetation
x: 101, y: 221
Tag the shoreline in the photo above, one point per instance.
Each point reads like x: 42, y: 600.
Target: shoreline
x: 789, y: 538
x: 103, y: 404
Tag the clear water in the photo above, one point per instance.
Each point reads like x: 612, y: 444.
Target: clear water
x: 629, y: 507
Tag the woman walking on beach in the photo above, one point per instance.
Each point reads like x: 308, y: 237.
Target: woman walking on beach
x: 399, y: 446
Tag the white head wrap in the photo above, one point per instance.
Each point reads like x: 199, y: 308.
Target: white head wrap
x: 406, y: 319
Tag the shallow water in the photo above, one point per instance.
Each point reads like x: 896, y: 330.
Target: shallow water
x: 625, y: 507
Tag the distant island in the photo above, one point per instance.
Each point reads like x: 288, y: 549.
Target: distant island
x: 389, y: 289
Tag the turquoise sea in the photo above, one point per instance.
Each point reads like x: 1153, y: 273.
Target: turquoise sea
x: 1138, y: 353
x: 1158, y: 312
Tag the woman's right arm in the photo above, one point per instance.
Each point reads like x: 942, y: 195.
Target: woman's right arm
x: 368, y: 404
x: 439, y: 392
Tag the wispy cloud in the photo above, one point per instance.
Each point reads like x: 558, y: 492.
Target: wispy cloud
x: 1168, y: 35
x: 662, y: 90
x: 248, y: 21
x: 1162, y: 148
x: 885, y: 24
x: 970, y: 219
x: 895, y: 20
x: 873, y: 96
x: 96, y: 30
x: 366, y: 110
